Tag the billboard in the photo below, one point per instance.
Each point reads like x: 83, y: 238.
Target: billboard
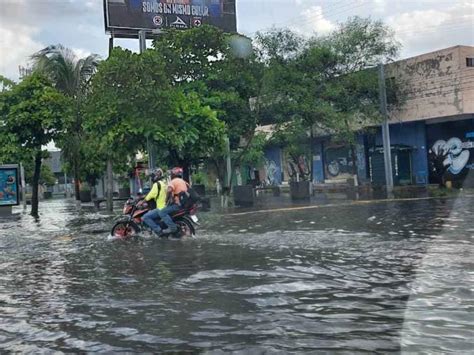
x: 124, y: 18
x: 9, y: 185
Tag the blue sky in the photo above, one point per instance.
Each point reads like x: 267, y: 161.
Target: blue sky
x: 421, y: 25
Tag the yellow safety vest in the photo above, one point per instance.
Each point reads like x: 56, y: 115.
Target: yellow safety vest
x: 159, y: 197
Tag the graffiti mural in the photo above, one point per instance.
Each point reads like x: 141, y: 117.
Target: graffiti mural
x: 298, y: 168
x: 451, y: 153
x: 271, y: 172
x: 338, y: 162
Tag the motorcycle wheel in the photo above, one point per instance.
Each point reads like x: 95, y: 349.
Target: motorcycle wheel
x: 125, y: 230
x: 185, y: 229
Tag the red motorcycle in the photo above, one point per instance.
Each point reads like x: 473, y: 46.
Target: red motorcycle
x: 131, y: 225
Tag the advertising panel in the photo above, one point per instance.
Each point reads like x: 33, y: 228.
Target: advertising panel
x: 124, y: 18
x: 9, y: 185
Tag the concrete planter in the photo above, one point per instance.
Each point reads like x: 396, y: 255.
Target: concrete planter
x: 200, y: 189
x: 300, y: 190
x: 124, y: 192
x: 244, y: 195
x: 276, y: 191
x: 85, y: 195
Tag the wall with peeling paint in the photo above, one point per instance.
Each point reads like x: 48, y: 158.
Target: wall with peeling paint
x: 437, y: 84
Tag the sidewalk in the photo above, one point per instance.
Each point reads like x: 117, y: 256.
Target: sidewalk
x: 266, y: 201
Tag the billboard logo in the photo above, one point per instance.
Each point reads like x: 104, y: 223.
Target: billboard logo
x: 197, y: 22
x: 158, y: 21
x: 179, y: 23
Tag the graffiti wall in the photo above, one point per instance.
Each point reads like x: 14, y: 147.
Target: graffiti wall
x: 272, y: 166
x: 451, y: 152
x: 338, y: 164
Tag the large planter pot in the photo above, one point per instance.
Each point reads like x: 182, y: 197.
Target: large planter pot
x: 244, y: 196
x: 85, y: 196
x: 124, y: 192
x: 300, y: 190
x: 200, y: 189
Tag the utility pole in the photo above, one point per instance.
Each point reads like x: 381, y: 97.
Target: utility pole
x: 110, y: 172
x: 149, y: 145
x: 385, y: 132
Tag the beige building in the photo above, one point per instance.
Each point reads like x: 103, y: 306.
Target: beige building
x: 439, y: 84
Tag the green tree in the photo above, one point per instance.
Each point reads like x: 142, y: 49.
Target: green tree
x: 33, y: 114
x: 5, y: 83
x: 222, y: 71
x: 71, y: 76
x: 328, y: 83
x: 130, y: 101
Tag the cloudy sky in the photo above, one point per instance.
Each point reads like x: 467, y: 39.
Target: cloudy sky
x: 421, y: 25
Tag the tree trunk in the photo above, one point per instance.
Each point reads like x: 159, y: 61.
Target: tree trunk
x: 311, y: 154
x: 36, y: 177
x: 354, y: 164
x: 110, y: 186
x: 77, y: 184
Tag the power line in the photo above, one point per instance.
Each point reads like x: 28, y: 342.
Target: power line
x: 325, y: 15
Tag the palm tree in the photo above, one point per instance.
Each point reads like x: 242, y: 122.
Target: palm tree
x: 71, y: 75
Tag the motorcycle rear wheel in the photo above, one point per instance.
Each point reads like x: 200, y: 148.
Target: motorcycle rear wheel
x: 185, y: 229
x: 125, y: 230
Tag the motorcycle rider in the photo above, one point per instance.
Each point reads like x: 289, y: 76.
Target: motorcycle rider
x: 157, y: 194
x: 176, y: 188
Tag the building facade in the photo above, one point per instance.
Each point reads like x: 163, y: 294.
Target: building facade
x: 432, y: 134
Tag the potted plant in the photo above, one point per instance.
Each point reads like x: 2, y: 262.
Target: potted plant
x: 85, y: 192
x: 300, y: 185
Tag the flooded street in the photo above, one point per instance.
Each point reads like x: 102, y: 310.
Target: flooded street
x: 381, y: 276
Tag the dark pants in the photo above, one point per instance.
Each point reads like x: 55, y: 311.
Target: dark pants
x: 165, y: 216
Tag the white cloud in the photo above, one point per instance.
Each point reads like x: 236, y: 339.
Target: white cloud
x: 16, y: 46
x: 420, y: 31
x: 313, y: 20
x: 81, y: 52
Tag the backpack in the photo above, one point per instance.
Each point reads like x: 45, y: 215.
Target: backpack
x: 189, y: 198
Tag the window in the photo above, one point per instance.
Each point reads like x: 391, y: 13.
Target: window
x: 470, y: 62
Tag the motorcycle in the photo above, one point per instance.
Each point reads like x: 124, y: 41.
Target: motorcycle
x: 131, y: 224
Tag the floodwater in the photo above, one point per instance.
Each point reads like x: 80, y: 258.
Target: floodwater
x: 383, y: 276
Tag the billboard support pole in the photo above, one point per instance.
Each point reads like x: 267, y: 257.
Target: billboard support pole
x: 149, y: 145
x: 110, y: 172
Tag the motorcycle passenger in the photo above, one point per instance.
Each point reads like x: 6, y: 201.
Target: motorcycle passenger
x: 176, y: 188
x: 156, y: 195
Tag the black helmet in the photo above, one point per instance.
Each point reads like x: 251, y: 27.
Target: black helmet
x: 156, y: 175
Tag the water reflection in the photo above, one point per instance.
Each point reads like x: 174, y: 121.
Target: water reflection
x: 376, y: 277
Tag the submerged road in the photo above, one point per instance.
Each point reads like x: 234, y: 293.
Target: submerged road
x: 384, y: 276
